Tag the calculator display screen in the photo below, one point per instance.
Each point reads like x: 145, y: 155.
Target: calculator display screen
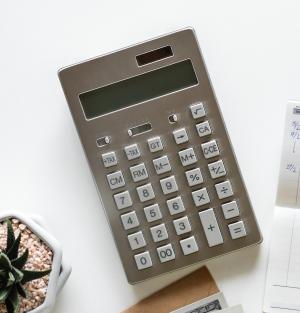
x: 138, y: 89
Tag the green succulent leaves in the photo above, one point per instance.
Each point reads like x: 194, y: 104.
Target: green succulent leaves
x: 12, y: 274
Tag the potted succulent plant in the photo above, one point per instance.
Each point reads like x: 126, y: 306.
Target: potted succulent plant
x: 31, y: 269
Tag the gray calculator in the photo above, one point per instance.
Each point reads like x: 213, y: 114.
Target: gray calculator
x: 160, y: 155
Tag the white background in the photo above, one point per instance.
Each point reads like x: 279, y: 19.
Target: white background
x: 252, y: 52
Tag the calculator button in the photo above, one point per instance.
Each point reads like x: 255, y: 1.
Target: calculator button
x: 230, y: 210
x: 237, y: 230
x: 130, y: 220
x: 224, y: 189
x: 123, y: 200
x: 182, y: 225
x: 166, y: 253
x: 194, y: 177
x: 159, y: 233
x: 168, y: 185
x: 155, y: 144
x: 200, y: 197
x: 136, y: 240
x: 180, y: 136
x: 162, y: 165
x: 139, y: 172
x: 197, y: 110
x: 203, y: 129
x: 109, y: 159
x: 175, y: 205
x: 217, y: 169
x: 187, y: 156
x: 115, y: 180
x: 145, y: 192
x: 210, y: 149
x: 132, y: 151
x: 189, y: 245
x: 143, y: 260
x: 152, y: 213
x: 211, y: 227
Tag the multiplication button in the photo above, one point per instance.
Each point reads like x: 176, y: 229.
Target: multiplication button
x: 197, y: 110
x: 189, y: 245
x: 187, y: 156
x: 109, y: 159
x: 115, y: 180
x: 210, y: 149
x: 200, y: 197
x: 143, y: 260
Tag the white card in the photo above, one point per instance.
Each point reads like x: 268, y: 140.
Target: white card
x: 234, y: 309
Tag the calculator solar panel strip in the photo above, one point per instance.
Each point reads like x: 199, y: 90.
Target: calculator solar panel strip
x: 160, y: 155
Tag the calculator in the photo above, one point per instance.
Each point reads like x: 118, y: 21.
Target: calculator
x: 160, y: 155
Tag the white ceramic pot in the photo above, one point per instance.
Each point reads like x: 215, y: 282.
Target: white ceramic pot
x: 60, y: 270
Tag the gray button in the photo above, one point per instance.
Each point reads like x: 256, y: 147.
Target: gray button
x: 175, y: 205
x: 168, y: 185
x: 116, y: 180
x: 152, y: 213
x: 182, y: 225
x: 109, y: 159
x: 159, y: 233
x: 145, y: 192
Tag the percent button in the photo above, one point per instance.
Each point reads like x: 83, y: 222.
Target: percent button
x: 194, y: 177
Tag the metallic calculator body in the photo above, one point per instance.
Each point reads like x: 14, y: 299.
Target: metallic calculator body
x: 208, y: 223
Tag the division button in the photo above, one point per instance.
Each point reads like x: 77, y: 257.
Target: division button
x: 194, y: 177
x: 136, y: 240
x: 143, y: 260
x: 162, y: 165
x: 145, y: 192
x: 159, y: 233
x: 210, y: 149
x: 224, y: 189
x: 189, y: 245
x: 182, y: 225
x: 138, y: 172
x: 123, y: 200
x: 130, y: 220
x: 132, y: 152
x: 109, y: 159
x: 237, y: 230
x: 203, y: 129
x: 180, y: 136
x: 187, y: 156
x: 166, y: 253
x: 115, y: 180
x: 230, y: 210
x: 155, y: 144
x: 197, y: 110
x: 200, y: 197
x: 217, y: 169
x: 168, y: 185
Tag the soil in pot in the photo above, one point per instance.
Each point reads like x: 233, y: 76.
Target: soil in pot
x: 40, y: 258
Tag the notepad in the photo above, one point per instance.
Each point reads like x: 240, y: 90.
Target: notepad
x: 282, y: 292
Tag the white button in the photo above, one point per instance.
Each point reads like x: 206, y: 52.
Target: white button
x: 132, y: 151
x: 175, y: 205
x: 123, y: 200
x: 155, y: 144
x: 217, y: 169
x: 211, y: 227
x: 224, y: 189
x: 116, y: 180
x: 152, y: 213
x: 194, y: 177
x: 109, y: 159
x: 180, y: 136
x: 197, y: 110
x: 130, y: 220
x: 210, y: 149
x: 187, y: 156
x: 168, y: 185
x: 166, y: 253
x: 230, y: 210
x: 143, y: 260
x: 162, y: 165
x: 182, y: 225
x: 200, y: 197
x: 136, y: 240
x: 159, y: 233
x: 203, y: 129
x: 145, y: 192
x: 139, y: 172
x: 189, y: 245
x: 237, y: 230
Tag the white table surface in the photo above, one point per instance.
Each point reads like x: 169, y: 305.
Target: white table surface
x: 252, y: 51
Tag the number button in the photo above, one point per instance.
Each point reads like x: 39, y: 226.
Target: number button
x: 182, y: 225
x: 145, y: 192
x: 175, y: 205
x: 159, y: 233
x: 155, y: 144
x: 210, y: 149
x: 168, y: 185
x: 162, y: 165
x: 217, y: 169
x: 189, y: 245
x: 200, y: 197
x: 166, y: 253
x: 230, y: 210
x: 187, y: 156
x: 109, y: 159
x: 152, y: 213
x: 139, y: 172
x: 203, y: 129
x: 115, y: 180
x: 180, y: 136
x: 132, y: 151
x: 143, y: 260
x: 194, y: 177
x: 130, y: 220
x: 136, y: 240
x: 123, y: 200
x: 224, y: 189
x: 197, y: 110
x: 237, y: 230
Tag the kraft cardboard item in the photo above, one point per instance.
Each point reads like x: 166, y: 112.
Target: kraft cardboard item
x: 197, y: 285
